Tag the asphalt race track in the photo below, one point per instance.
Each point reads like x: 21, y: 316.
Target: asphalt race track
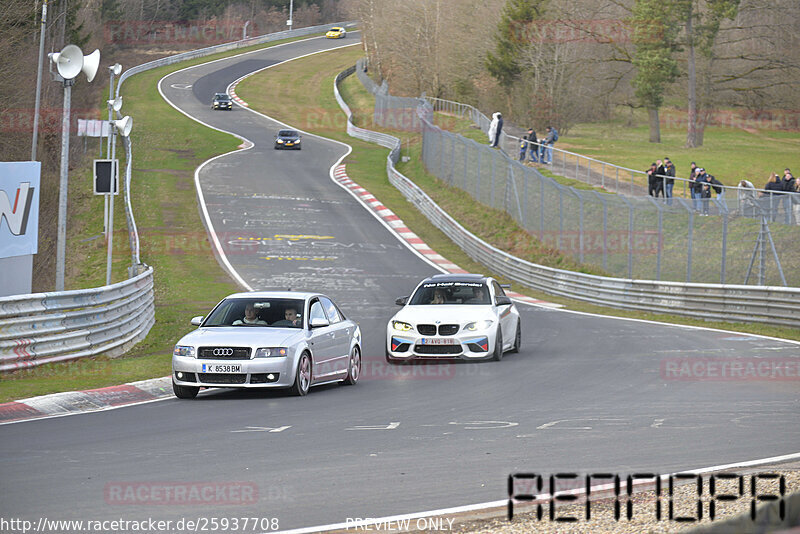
x: 585, y: 394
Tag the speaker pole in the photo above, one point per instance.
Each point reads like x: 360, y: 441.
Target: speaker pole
x: 111, y: 203
x: 61, y: 243
x: 39, y: 83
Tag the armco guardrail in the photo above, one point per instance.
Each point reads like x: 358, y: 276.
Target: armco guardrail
x: 52, y: 327
x: 763, y: 304
x: 59, y: 326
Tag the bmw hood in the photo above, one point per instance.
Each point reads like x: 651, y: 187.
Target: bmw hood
x: 242, y: 336
x: 444, y: 314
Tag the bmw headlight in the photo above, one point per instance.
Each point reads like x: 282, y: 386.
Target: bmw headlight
x: 401, y: 326
x: 478, y: 325
x: 183, y: 350
x: 272, y: 352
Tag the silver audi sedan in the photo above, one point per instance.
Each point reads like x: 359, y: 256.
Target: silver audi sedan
x: 268, y: 339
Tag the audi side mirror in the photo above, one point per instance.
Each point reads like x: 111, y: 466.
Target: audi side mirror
x: 197, y: 321
x: 401, y: 301
x: 502, y: 300
x: 318, y: 322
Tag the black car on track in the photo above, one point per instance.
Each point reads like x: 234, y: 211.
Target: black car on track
x: 222, y: 101
x: 286, y: 139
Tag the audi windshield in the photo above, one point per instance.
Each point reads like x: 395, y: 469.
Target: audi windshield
x: 279, y: 313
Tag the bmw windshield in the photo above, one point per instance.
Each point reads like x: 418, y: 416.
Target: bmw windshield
x: 451, y: 292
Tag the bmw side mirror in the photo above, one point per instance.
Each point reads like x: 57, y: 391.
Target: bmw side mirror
x: 401, y: 301
x: 502, y: 300
x: 318, y: 322
x: 196, y: 321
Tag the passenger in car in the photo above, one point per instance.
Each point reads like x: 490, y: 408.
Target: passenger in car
x: 478, y: 296
x: 290, y: 318
x: 250, y: 317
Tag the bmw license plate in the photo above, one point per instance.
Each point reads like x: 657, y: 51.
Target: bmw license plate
x: 438, y: 341
x: 222, y: 368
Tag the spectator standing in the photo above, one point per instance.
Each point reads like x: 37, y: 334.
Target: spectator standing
x: 696, y: 187
x: 796, y: 200
x: 773, y: 190
x: 651, y: 179
x: 669, y: 183
x: 495, y: 129
x: 788, y: 186
x: 549, y: 141
x: 660, y: 171
x: 533, y: 145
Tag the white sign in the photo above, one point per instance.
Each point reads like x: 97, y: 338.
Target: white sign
x: 19, y: 208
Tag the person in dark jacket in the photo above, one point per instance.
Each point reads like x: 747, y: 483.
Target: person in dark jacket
x: 660, y: 171
x: 788, y: 186
x: 523, y: 148
x: 694, y: 191
x: 533, y: 147
x: 771, y: 197
x: 669, y: 183
x: 652, y: 179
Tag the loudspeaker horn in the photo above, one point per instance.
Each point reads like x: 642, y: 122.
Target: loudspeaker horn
x: 69, y: 61
x: 116, y: 68
x: 116, y: 104
x: 90, y: 64
x: 123, y: 125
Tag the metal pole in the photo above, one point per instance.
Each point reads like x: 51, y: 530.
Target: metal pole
x: 108, y: 143
x: 291, y: 8
x: 39, y: 83
x: 61, y: 242
x: 111, y: 206
x: 134, y: 243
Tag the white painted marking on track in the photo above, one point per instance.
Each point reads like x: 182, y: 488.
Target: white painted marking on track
x: 262, y: 429
x: 484, y: 425
x: 390, y: 426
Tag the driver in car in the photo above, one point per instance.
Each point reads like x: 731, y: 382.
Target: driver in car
x: 250, y: 317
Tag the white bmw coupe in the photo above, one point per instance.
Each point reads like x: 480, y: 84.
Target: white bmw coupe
x: 461, y: 316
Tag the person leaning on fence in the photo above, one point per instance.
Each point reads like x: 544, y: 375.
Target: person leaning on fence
x: 660, y: 172
x: 669, y: 183
x: 697, y: 188
x: 748, y: 199
x: 523, y: 147
x: 533, y: 146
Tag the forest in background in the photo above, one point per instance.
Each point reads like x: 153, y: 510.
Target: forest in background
x: 543, y: 62
x: 129, y: 32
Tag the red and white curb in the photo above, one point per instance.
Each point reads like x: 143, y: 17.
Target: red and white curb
x: 236, y: 98
x: 402, y: 231
x: 93, y: 400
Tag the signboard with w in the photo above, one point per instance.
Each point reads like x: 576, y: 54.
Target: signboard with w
x: 19, y: 208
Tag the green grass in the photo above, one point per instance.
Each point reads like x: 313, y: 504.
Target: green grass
x: 188, y: 281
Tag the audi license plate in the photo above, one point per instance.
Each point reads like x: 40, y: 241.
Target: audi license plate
x: 438, y: 341
x: 222, y: 368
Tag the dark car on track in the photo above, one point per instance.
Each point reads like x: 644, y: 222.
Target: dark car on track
x: 222, y: 101
x: 287, y: 139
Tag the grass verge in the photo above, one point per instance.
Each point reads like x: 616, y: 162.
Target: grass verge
x: 167, y: 147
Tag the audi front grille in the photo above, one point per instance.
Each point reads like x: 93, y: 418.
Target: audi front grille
x: 221, y: 378
x: 224, y: 353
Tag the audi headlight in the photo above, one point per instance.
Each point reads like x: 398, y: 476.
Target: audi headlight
x: 478, y: 325
x: 272, y: 352
x: 280, y: 141
x: 183, y: 350
x: 401, y: 326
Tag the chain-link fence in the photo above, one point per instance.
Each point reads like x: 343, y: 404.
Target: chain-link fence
x: 707, y: 240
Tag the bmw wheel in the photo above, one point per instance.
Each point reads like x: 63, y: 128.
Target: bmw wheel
x: 353, y: 368
x: 302, y: 378
x: 184, y: 392
x: 517, y: 338
x: 498, y: 346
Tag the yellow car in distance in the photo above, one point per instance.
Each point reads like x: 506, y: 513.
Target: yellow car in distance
x: 337, y: 32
